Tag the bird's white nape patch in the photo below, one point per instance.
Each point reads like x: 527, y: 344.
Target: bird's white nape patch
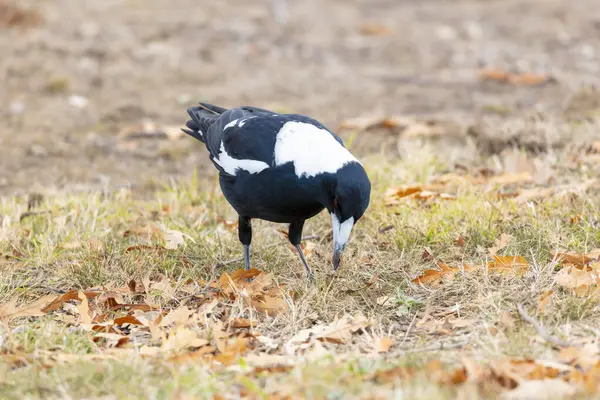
x: 239, y: 122
x: 341, y: 230
x: 231, y: 165
x: 231, y: 124
x: 312, y: 150
x: 242, y: 121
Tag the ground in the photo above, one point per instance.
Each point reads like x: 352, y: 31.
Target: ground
x: 473, y: 273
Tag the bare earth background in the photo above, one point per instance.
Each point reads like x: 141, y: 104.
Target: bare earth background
x: 81, y: 72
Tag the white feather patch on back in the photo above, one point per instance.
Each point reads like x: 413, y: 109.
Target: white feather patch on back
x: 231, y: 165
x: 244, y: 120
x: 312, y: 150
x: 231, y: 124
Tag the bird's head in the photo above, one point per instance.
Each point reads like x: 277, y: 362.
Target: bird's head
x: 348, y: 199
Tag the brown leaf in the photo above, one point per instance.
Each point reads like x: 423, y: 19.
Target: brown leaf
x: 383, y: 344
x: 577, y: 259
x: 582, y: 281
x: 434, y: 277
x: 366, y: 123
x: 181, y: 339
x: 508, y: 266
x: 15, y: 15
x: 84, y: 309
x: 260, y: 293
x: 337, y: 332
x: 525, y: 79
x: 179, y: 316
x: 544, y: 300
x: 203, y: 353
x: 241, y: 323
x: 232, y: 349
x: 150, y: 231
x: 128, y: 319
x: 375, y: 29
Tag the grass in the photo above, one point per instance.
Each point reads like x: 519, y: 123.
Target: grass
x: 82, y: 241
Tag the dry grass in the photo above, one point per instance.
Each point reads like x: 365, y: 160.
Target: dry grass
x: 85, y: 241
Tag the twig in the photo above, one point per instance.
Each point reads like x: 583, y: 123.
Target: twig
x: 437, y: 347
x: 408, y: 330
x: 312, y: 237
x: 35, y: 286
x: 540, y: 329
x: 32, y: 213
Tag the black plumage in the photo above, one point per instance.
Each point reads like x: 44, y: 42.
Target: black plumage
x: 282, y: 168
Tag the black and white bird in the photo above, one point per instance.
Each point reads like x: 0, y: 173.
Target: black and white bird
x: 283, y: 168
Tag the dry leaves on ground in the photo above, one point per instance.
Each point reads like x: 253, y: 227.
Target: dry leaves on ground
x: 505, y: 266
x: 524, y: 79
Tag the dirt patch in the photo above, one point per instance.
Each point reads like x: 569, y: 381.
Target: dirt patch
x: 12, y: 15
x: 94, y: 69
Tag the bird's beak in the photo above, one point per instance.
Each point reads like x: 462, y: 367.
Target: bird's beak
x: 341, y: 233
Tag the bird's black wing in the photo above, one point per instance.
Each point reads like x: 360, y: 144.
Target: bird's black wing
x: 245, y: 133
x: 250, y: 133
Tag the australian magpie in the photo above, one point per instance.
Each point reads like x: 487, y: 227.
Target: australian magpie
x: 282, y: 168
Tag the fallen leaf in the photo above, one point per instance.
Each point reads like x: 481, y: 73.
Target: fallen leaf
x: 183, y: 338
x: 179, y: 316
x: 461, y: 322
x: 150, y: 231
x: 383, y: 344
x: 544, y: 300
x: 375, y: 29
x: 582, y: 281
x: 260, y: 293
x: 366, y: 123
x: 202, y: 353
x: 434, y: 277
x: 173, y: 239
x: 508, y: 266
x: 163, y: 286
x: 541, y: 389
x: 240, y: 323
x: 525, y: 79
x: 582, y: 357
x: 338, y: 332
x: 230, y: 225
x: 421, y: 192
x: 232, y: 350
x: 84, y: 309
x: 577, y: 259
x: 128, y: 319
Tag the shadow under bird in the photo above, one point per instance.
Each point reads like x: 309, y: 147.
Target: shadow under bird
x: 283, y: 168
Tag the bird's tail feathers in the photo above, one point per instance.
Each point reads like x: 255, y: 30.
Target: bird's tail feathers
x: 203, y: 116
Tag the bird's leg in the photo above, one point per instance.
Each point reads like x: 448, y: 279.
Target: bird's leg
x: 295, y: 236
x: 245, y: 235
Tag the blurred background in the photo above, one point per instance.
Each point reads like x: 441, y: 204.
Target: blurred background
x: 93, y: 92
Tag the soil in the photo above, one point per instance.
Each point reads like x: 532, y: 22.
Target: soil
x: 78, y: 74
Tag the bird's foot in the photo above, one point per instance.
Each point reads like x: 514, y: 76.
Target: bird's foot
x: 309, y: 272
